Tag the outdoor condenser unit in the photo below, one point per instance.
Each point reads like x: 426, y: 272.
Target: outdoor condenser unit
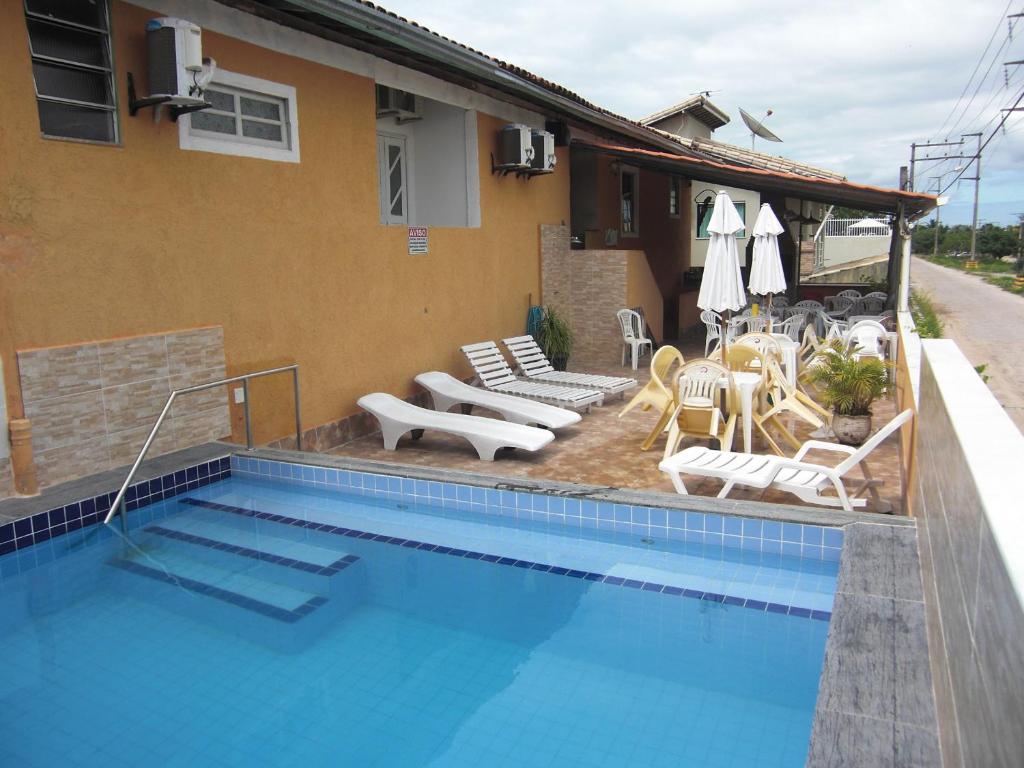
x: 177, y: 73
x: 543, y: 151
x: 515, y: 147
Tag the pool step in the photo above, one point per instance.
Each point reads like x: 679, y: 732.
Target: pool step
x: 272, y: 549
x: 268, y: 589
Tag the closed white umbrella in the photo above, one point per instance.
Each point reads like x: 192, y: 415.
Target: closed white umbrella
x: 766, y: 275
x: 721, y: 288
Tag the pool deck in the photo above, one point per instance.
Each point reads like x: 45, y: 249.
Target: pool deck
x: 604, y: 450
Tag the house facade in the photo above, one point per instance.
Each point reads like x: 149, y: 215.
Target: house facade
x: 336, y: 205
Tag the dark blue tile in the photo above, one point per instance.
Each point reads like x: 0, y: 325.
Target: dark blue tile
x: 523, y: 564
x: 649, y: 587
x: 541, y: 567
x: 40, y: 522
x: 576, y: 574
x: 74, y: 525
x: 204, y: 470
x: 427, y: 546
x: 802, y: 612
x: 558, y: 570
x: 457, y: 552
x: 693, y: 593
x: 191, y: 473
x: 6, y: 533
x: 179, y: 477
x: 612, y: 580
x: 730, y: 600
x: 412, y: 544
x: 593, y: 576
x: 714, y: 597
x: 776, y: 608
x: 632, y: 583
x: 758, y: 605
x: 821, y: 615
x: 474, y: 555
x: 672, y: 590
x: 490, y: 558
x: 6, y: 546
x: 42, y: 535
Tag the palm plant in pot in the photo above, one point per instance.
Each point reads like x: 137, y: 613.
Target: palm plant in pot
x: 555, y: 338
x: 849, y: 386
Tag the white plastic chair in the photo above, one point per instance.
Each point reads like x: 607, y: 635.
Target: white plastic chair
x: 873, y: 303
x: 696, y: 413
x: 633, y: 336
x: 793, y: 325
x: 713, y: 324
x: 867, y: 339
x: 756, y: 324
x: 762, y: 342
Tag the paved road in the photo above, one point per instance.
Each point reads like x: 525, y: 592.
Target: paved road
x: 988, y: 324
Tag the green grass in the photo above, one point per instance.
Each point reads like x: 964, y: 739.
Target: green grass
x: 984, y: 264
x: 929, y: 326
x: 1004, y: 282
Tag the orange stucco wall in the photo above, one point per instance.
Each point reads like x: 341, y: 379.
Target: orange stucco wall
x: 99, y: 242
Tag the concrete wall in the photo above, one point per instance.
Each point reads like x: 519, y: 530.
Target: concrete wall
x: 100, y: 242
x: 972, y: 555
x: 839, y: 250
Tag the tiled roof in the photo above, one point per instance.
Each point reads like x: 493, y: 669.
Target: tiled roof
x: 730, y: 153
x: 698, y: 105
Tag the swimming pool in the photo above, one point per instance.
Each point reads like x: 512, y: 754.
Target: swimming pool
x: 291, y: 616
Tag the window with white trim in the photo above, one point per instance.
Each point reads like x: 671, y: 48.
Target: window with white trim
x: 248, y: 117
x: 392, y: 159
x: 72, y: 67
x: 629, y: 179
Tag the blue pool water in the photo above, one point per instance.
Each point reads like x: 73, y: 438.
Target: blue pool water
x: 248, y: 623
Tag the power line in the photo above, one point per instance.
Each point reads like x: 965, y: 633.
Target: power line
x: 981, y: 83
x: 977, y: 66
x: 976, y: 155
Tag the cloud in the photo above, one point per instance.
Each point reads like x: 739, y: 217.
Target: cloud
x: 851, y: 84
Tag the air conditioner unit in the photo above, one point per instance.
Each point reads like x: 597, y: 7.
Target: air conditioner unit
x: 402, y: 105
x: 543, y: 151
x: 515, y: 147
x: 177, y: 71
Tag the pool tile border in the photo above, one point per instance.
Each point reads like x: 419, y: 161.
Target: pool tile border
x: 813, y: 542
x: 646, y: 586
x: 83, y: 513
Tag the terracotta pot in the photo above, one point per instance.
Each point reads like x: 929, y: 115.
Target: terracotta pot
x: 851, y: 430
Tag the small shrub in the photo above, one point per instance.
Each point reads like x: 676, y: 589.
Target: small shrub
x: 848, y: 385
x: 929, y: 326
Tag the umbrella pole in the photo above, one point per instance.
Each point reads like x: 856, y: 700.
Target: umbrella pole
x: 769, y: 313
x: 726, y: 316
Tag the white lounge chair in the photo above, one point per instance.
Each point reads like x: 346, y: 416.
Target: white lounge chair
x: 799, y: 477
x: 493, y: 373
x: 447, y: 391
x: 398, y: 417
x: 534, y: 365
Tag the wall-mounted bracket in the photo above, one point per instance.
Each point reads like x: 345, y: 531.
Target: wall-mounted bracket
x: 176, y: 110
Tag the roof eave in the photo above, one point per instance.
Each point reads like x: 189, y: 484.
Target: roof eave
x: 374, y: 21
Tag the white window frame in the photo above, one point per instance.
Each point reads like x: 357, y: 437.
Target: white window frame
x: 743, y: 216
x: 223, y: 144
x: 383, y: 180
x: 633, y: 171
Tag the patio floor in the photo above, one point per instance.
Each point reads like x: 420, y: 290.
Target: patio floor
x: 604, y: 450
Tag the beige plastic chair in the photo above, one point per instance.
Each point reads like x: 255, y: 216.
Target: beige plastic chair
x: 764, y: 343
x: 786, y: 399
x: 742, y: 359
x: 696, y: 413
x: 657, y: 393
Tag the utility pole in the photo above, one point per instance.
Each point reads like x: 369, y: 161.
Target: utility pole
x: 914, y: 159
x: 977, y: 185
x: 1019, y: 279
x: 938, y: 189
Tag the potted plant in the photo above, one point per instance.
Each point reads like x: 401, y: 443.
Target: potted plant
x: 555, y: 338
x: 849, y: 386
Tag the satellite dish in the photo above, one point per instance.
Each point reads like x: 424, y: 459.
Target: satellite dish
x: 757, y: 127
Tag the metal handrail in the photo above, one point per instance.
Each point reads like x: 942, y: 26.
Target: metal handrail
x: 118, y: 507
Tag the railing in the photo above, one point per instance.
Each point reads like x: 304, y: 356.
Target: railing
x: 853, y: 228
x: 118, y: 507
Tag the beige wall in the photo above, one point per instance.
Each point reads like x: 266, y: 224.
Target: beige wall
x: 102, y: 242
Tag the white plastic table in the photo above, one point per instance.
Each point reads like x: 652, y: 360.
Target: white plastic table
x: 746, y: 384
x: 789, y: 349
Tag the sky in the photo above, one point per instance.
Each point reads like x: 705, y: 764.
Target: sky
x: 851, y: 85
